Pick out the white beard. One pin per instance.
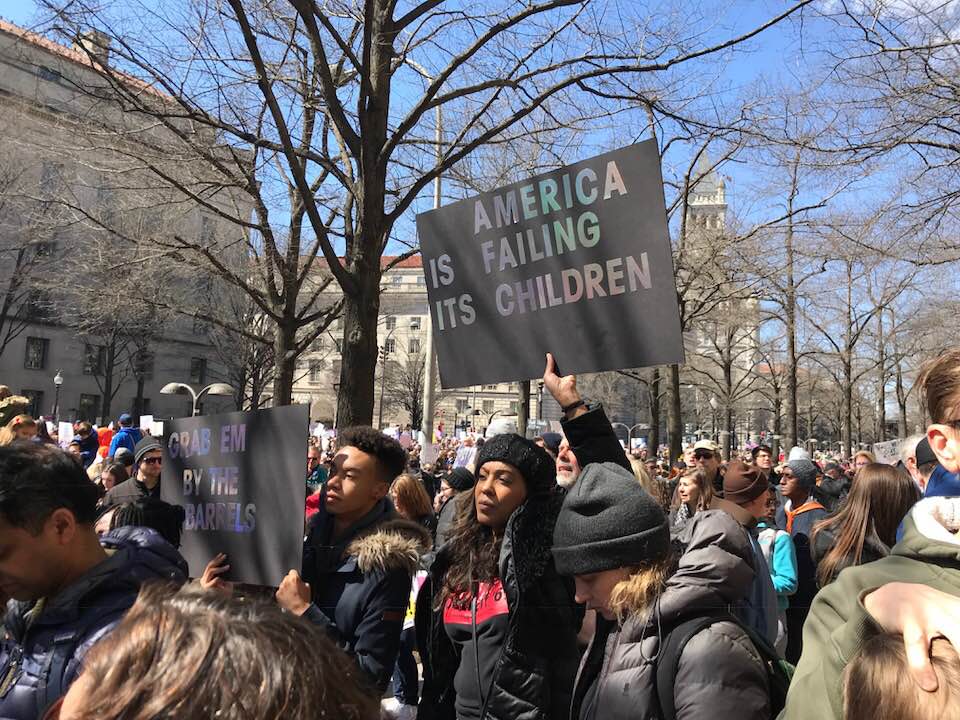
(567, 480)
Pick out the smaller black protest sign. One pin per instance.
(240, 479)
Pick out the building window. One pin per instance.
(315, 368)
(37, 306)
(88, 408)
(415, 323)
(488, 406)
(143, 365)
(514, 406)
(45, 248)
(462, 405)
(198, 370)
(421, 280)
(390, 346)
(317, 344)
(391, 322)
(397, 280)
(338, 343)
(413, 346)
(49, 74)
(35, 357)
(36, 401)
(490, 387)
(94, 359)
(199, 327)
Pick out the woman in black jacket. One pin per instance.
(498, 631)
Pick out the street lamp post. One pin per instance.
(177, 388)
(57, 382)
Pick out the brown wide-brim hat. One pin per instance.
(743, 483)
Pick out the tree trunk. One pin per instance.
(653, 439)
(881, 389)
(727, 431)
(138, 400)
(901, 402)
(675, 430)
(107, 388)
(359, 357)
(285, 357)
(523, 407)
(847, 431)
(790, 314)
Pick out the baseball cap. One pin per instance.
(709, 445)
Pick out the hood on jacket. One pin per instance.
(715, 568)
(135, 555)
(391, 545)
(929, 531)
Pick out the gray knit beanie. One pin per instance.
(608, 521)
(805, 471)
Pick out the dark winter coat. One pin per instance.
(361, 584)
(129, 491)
(534, 674)
(801, 532)
(873, 549)
(831, 493)
(51, 638)
(89, 446)
(720, 673)
(592, 439)
(445, 518)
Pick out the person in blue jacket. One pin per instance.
(64, 587)
(781, 556)
(359, 556)
(127, 436)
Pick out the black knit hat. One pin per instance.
(460, 479)
(608, 521)
(533, 462)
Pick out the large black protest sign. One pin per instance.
(576, 262)
(240, 477)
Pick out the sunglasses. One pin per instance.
(703, 456)
(152, 461)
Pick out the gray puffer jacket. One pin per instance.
(720, 673)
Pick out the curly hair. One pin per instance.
(198, 654)
(389, 453)
(474, 551)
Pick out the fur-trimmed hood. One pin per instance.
(391, 545)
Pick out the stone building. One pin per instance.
(61, 157)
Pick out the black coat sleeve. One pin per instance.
(375, 641)
(593, 440)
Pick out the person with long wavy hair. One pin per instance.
(498, 630)
(865, 527)
(694, 494)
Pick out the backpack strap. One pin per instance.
(668, 658)
(52, 683)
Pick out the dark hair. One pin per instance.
(474, 550)
(150, 512)
(187, 654)
(36, 479)
(118, 471)
(877, 503)
(759, 449)
(389, 453)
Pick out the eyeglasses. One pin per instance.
(152, 461)
(703, 456)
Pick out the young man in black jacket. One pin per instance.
(359, 557)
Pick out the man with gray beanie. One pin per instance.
(799, 513)
(147, 458)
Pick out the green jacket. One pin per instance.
(838, 624)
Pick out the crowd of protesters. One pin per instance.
(511, 578)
